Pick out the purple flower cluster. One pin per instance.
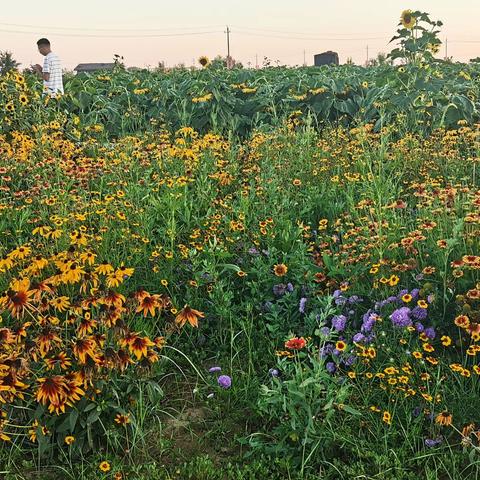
(401, 317)
(223, 381)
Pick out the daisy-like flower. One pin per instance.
(295, 343)
(280, 270)
(104, 466)
(190, 315)
(444, 419)
(122, 419)
(148, 304)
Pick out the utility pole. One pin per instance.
(228, 47)
(256, 60)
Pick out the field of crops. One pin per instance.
(242, 274)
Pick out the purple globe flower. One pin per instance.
(401, 317)
(224, 381)
(339, 322)
(414, 293)
(358, 337)
(331, 367)
(419, 313)
(430, 333)
(419, 327)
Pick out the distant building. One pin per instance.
(93, 67)
(326, 58)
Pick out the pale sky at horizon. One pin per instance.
(276, 29)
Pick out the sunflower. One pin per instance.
(189, 315)
(407, 19)
(204, 61)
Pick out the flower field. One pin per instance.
(242, 274)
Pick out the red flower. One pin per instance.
(295, 343)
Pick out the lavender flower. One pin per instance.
(433, 443)
(274, 372)
(358, 337)
(401, 317)
(339, 322)
(279, 290)
(215, 369)
(253, 251)
(301, 306)
(419, 313)
(224, 381)
(289, 287)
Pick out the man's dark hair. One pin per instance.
(43, 41)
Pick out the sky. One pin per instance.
(146, 32)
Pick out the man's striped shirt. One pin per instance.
(52, 66)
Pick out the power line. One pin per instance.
(87, 35)
(98, 29)
(287, 32)
(308, 38)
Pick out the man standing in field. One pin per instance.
(51, 72)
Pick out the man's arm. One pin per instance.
(41, 73)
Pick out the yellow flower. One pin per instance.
(104, 466)
(69, 439)
(407, 19)
(387, 418)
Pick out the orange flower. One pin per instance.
(18, 298)
(189, 315)
(83, 348)
(462, 321)
(148, 304)
(138, 346)
(295, 343)
(280, 270)
(51, 390)
(122, 419)
(444, 418)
